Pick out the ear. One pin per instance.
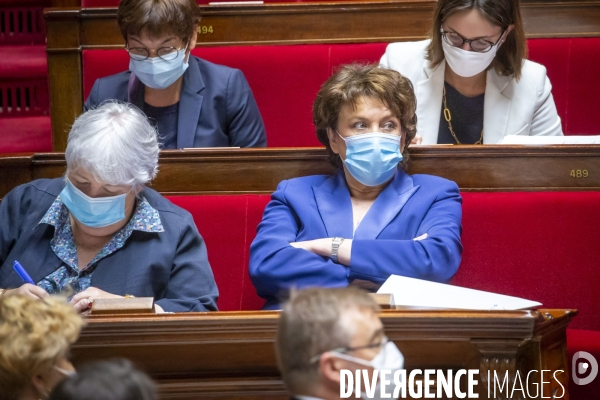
(333, 140)
(191, 44)
(193, 40)
(330, 367)
(39, 383)
(508, 30)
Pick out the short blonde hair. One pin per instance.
(34, 334)
(311, 323)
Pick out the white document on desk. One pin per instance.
(545, 140)
(411, 292)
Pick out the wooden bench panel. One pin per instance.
(242, 171)
(231, 354)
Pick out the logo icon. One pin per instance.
(580, 368)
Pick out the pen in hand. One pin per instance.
(22, 273)
(29, 288)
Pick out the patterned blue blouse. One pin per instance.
(145, 219)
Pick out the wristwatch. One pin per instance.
(335, 246)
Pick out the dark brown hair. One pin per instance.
(157, 18)
(352, 82)
(511, 54)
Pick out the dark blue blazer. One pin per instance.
(216, 108)
(319, 206)
(171, 266)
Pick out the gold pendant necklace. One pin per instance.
(448, 118)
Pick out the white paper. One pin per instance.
(542, 140)
(425, 294)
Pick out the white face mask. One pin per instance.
(389, 358)
(158, 73)
(64, 371)
(467, 63)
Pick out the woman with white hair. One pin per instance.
(99, 230)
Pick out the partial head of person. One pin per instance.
(159, 36)
(35, 339)
(106, 380)
(472, 35)
(365, 116)
(112, 152)
(324, 331)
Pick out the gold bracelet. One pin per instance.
(129, 296)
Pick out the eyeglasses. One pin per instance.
(164, 53)
(477, 45)
(383, 342)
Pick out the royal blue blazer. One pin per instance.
(389, 239)
(216, 108)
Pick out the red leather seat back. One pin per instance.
(285, 86)
(285, 79)
(572, 69)
(228, 226)
(536, 245)
(542, 246)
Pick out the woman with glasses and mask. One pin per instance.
(472, 80)
(99, 231)
(35, 341)
(193, 103)
(370, 219)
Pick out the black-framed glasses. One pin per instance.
(477, 45)
(383, 342)
(164, 53)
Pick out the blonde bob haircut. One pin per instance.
(34, 335)
(503, 13)
(356, 81)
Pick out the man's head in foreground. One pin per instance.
(324, 331)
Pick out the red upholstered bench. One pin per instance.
(538, 245)
(24, 103)
(286, 85)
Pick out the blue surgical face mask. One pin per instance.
(372, 158)
(95, 212)
(158, 73)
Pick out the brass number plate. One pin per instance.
(205, 29)
(579, 173)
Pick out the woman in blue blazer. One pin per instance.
(193, 102)
(370, 219)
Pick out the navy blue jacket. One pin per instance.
(216, 108)
(171, 266)
(412, 229)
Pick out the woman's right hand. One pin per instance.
(417, 140)
(28, 290)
